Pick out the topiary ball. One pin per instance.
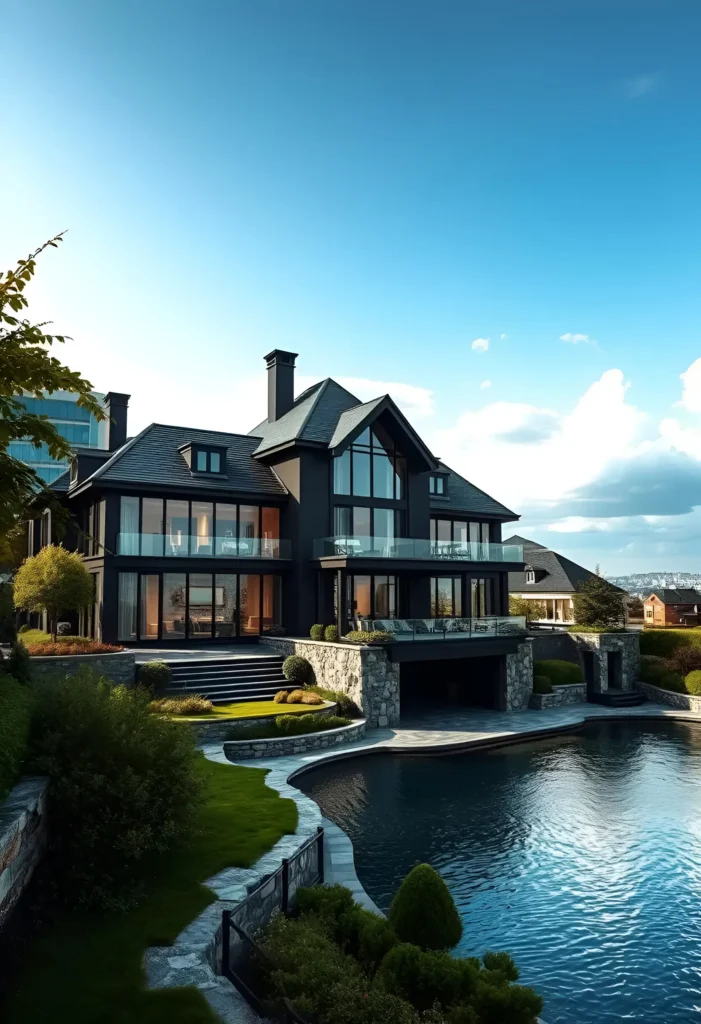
(317, 632)
(280, 697)
(693, 683)
(331, 634)
(423, 911)
(155, 675)
(297, 669)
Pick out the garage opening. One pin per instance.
(459, 682)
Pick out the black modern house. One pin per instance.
(330, 510)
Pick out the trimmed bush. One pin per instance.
(297, 669)
(19, 664)
(364, 636)
(295, 697)
(685, 660)
(331, 634)
(15, 719)
(24, 628)
(663, 642)
(155, 675)
(190, 704)
(560, 673)
(671, 681)
(310, 698)
(652, 669)
(317, 632)
(692, 682)
(346, 706)
(423, 911)
(280, 697)
(541, 684)
(287, 725)
(124, 785)
(63, 649)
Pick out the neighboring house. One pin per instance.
(76, 424)
(330, 510)
(672, 608)
(548, 579)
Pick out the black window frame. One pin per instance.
(395, 457)
(433, 489)
(350, 591)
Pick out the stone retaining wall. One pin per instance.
(683, 701)
(23, 835)
(365, 673)
(573, 693)
(519, 678)
(212, 732)
(117, 667)
(285, 746)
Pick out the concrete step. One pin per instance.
(206, 677)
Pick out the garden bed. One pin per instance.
(285, 746)
(210, 728)
(117, 667)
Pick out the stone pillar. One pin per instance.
(519, 678)
(600, 644)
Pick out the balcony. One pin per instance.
(448, 629)
(416, 548)
(156, 545)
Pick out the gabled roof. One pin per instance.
(60, 484)
(671, 596)
(559, 574)
(350, 420)
(312, 418)
(462, 496)
(152, 457)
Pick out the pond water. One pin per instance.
(580, 855)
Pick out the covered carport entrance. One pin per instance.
(454, 682)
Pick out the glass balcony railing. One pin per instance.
(448, 628)
(184, 546)
(413, 547)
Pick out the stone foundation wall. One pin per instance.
(519, 678)
(23, 833)
(215, 732)
(244, 750)
(574, 693)
(683, 701)
(365, 673)
(600, 644)
(117, 667)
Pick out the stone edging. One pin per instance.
(117, 666)
(211, 731)
(286, 746)
(569, 693)
(683, 701)
(23, 835)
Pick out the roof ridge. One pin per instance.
(127, 446)
(312, 406)
(200, 430)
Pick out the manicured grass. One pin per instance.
(248, 709)
(87, 970)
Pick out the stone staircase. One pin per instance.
(229, 680)
(619, 698)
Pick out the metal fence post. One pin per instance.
(285, 884)
(320, 852)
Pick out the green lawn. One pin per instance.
(248, 709)
(34, 636)
(87, 970)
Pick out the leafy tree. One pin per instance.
(524, 606)
(598, 603)
(27, 367)
(423, 911)
(54, 581)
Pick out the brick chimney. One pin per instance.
(281, 382)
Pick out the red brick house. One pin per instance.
(672, 608)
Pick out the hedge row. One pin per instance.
(560, 673)
(15, 720)
(662, 642)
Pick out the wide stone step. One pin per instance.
(273, 672)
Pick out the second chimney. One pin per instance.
(281, 383)
(116, 409)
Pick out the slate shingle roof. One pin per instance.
(557, 575)
(349, 420)
(313, 417)
(152, 457)
(463, 496)
(671, 596)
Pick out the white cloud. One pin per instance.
(502, 336)
(691, 395)
(579, 524)
(640, 85)
(486, 384)
(574, 339)
(415, 402)
(480, 344)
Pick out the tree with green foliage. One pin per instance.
(524, 606)
(28, 368)
(423, 911)
(598, 603)
(53, 581)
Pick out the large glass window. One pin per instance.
(459, 532)
(227, 519)
(270, 532)
(200, 604)
(371, 467)
(129, 526)
(385, 597)
(177, 527)
(248, 529)
(174, 613)
(446, 596)
(362, 596)
(225, 604)
(272, 602)
(148, 626)
(202, 528)
(383, 523)
(126, 606)
(249, 605)
(152, 526)
(481, 597)
(342, 473)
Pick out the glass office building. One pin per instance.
(76, 424)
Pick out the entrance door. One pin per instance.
(614, 666)
(590, 672)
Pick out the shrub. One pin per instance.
(560, 673)
(346, 706)
(422, 977)
(685, 660)
(297, 669)
(287, 725)
(54, 580)
(692, 682)
(663, 642)
(423, 911)
(124, 784)
(310, 698)
(15, 718)
(190, 704)
(63, 648)
(295, 697)
(154, 675)
(541, 684)
(280, 697)
(364, 636)
(331, 634)
(671, 681)
(8, 633)
(317, 632)
(24, 628)
(18, 664)
(652, 669)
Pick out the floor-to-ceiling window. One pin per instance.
(458, 531)
(373, 597)
(174, 614)
(371, 467)
(446, 596)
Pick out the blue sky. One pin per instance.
(378, 186)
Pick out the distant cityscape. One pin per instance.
(640, 584)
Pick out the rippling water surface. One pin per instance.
(579, 855)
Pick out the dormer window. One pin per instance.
(205, 459)
(530, 574)
(438, 485)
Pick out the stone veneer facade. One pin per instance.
(365, 673)
(573, 693)
(519, 678)
(117, 667)
(287, 746)
(683, 701)
(23, 835)
(599, 644)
